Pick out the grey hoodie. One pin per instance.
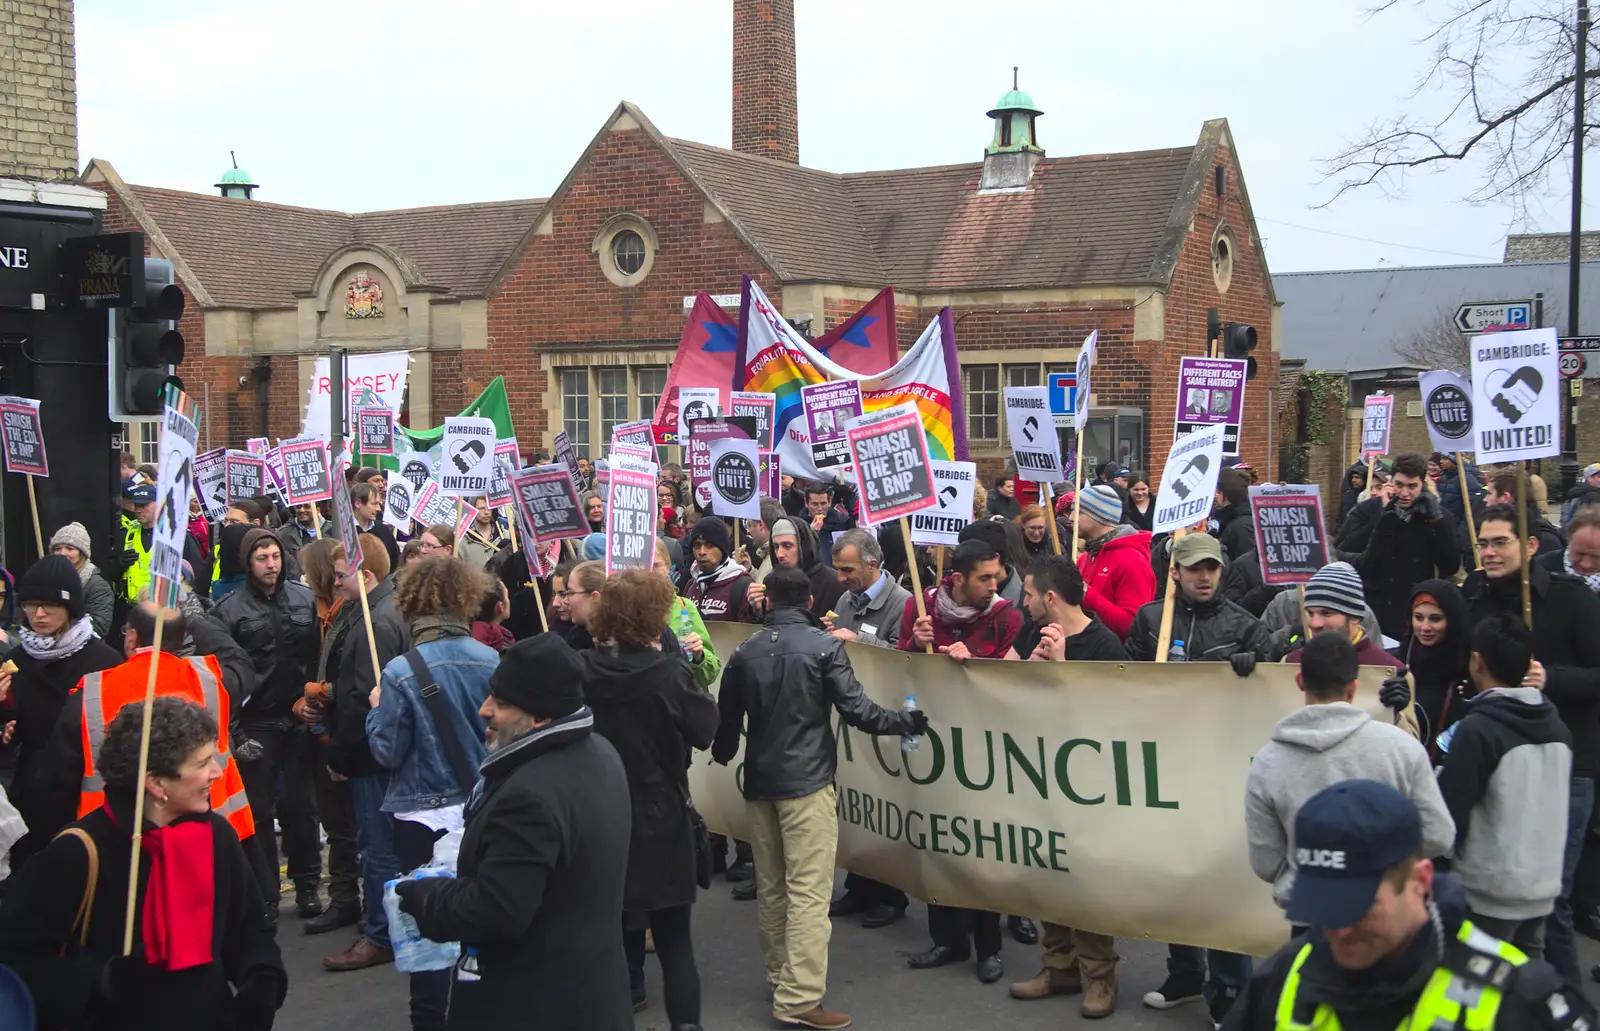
(1320, 745)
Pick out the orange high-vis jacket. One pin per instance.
(199, 679)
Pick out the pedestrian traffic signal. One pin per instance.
(145, 346)
(1238, 340)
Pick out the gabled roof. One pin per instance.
(235, 253)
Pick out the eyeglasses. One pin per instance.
(35, 606)
(1496, 543)
(568, 594)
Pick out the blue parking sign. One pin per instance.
(1063, 391)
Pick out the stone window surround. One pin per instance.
(600, 247)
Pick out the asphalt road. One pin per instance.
(867, 978)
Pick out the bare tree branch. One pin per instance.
(1437, 345)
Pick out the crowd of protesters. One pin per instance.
(1435, 864)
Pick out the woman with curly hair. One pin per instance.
(432, 746)
(646, 703)
(205, 957)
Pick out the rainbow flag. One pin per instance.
(774, 358)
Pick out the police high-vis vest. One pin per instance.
(137, 577)
(1464, 992)
(199, 679)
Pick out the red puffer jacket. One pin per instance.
(1117, 580)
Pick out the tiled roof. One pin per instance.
(457, 246)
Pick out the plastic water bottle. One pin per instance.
(685, 621)
(412, 952)
(1177, 653)
(910, 742)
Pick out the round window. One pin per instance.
(1222, 260)
(627, 252)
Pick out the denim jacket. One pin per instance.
(401, 731)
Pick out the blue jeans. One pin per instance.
(1560, 945)
(375, 841)
(1228, 971)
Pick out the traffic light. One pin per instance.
(1238, 340)
(145, 346)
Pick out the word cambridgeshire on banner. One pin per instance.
(1116, 805)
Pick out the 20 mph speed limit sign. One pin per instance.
(1572, 363)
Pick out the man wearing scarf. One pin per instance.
(1581, 556)
(715, 583)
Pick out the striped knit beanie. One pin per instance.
(1336, 586)
(1101, 503)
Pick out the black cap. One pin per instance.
(541, 675)
(1345, 837)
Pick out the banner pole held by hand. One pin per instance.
(1050, 516)
(139, 792)
(1164, 641)
(1522, 540)
(916, 577)
(33, 503)
(1077, 493)
(1466, 505)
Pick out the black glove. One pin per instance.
(1243, 663)
(919, 721)
(1395, 693)
(119, 977)
(411, 891)
(1426, 507)
(256, 1002)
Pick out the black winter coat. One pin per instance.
(1356, 529)
(1438, 671)
(352, 680)
(646, 703)
(1565, 641)
(1235, 530)
(787, 677)
(280, 633)
(1211, 631)
(1402, 553)
(539, 884)
(1243, 584)
(1449, 485)
(37, 915)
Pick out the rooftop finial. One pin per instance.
(236, 160)
(1013, 76)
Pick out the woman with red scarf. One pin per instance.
(204, 957)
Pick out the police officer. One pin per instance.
(137, 541)
(1387, 941)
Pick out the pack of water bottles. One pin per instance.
(412, 952)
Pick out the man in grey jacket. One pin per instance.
(1328, 741)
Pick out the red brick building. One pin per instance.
(578, 300)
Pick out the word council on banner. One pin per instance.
(829, 408)
(467, 465)
(549, 503)
(1516, 392)
(1289, 531)
(631, 514)
(1211, 392)
(1377, 420)
(735, 478)
(1189, 480)
(1034, 444)
(942, 524)
(1447, 409)
(890, 454)
(24, 437)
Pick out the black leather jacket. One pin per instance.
(280, 635)
(785, 677)
(1210, 632)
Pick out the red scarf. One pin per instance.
(180, 896)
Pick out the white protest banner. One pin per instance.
(415, 468)
(1377, 420)
(695, 403)
(634, 438)
(548, 502)
(1189, 481)
(174, 487)
(701, 433)
(735, 478)
(1034, 445)
(1080, 413)
(397, 500)
(1516, 411)
(24, 438)
(631, 514)
(890, 453)
(506, 459)
(758, 406)
(375, 431)
(467, 463)
(1447, 409)
(384, 374)
(1098, 795)
(953, 483)
(243, 474)
(829, 408)
(211, 480)
(305, 472)
(433, 505)
(1289, 531)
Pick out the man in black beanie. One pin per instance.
(537, 896)
(714, 581)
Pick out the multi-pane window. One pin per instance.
(649, 382)
(1023, 376)
(143, 440)
(612, 385)
(575, 407)
(982, 396)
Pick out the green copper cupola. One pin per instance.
(1009, 158)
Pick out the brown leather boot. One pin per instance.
(1099, 997)
(362, 953)
(818, 1017)
(1048, 982)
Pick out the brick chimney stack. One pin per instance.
(766, 115)
(38, 95)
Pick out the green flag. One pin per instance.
(492, 404)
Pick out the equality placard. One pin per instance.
(634, 438)
(24, 437)
(736, 478)
(467, 463)
(243, 474)
(1034, 445)
(829, 407)
(1447, 409)
(305, 472)
(545, 496)
(211, 481)
(701, 433)
(1516, 381)
(890, 453)
(694, 403)
(375, 431)
(1377, 419)
(756, 405)
(1289, 531)
(433, 505)
(397, 499)
(1189, 480)
(631, 515)
(952, 483)
(1211, 392)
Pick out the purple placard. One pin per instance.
(1211, 392)
(829, 406)
(772, 475)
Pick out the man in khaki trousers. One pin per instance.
(785, 678)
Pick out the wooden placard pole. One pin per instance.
(366, 617)
(1164, 641)
(916, 577)
(1050, 516)
(1077, 492)
(1466, 505)
(33, 504)
(1522, 541)
(139, 792)
(938, 563)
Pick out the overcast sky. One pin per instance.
(415, 102)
